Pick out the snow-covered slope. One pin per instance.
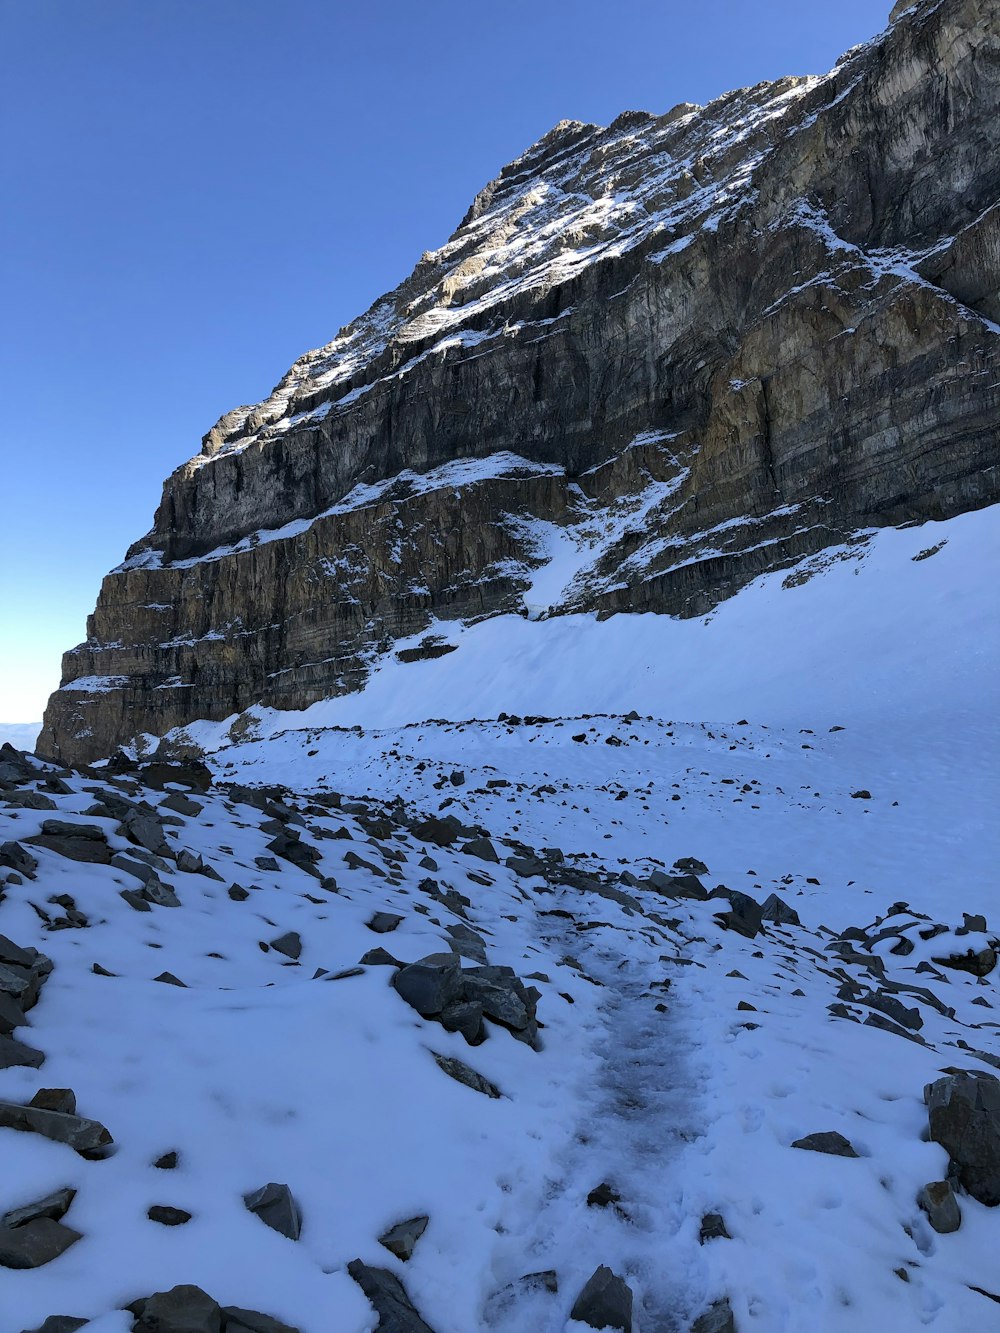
(833, 744)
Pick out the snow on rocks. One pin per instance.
(670, 1068)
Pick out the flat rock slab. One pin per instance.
(54, 1206)
(832, 1143)
(87, 1137)
(396, 1312)
(35, 1243)
(461, 1073)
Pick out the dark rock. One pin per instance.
(383, 923)
(14, 1053)
(166, 1162)
(289, 944)
(145, 830)
(13, 855)
(169, 979)
(500, 994)
(396, 1312)
(59, 1323)
(429, 988)
(274, 1205)
(402, 1238)
(830, 1142)
(717, 1319)
(182, 1309)
(963, 1108)
(77, 842)
(380, 958)
(296, 852)
(238, 893)
(87, 1137)
(604, 1302)
(441, 832)
(483, 849)
(461, 1073)
(35, 1243)
(939, 1203)
(181, 805)
(466, 1017)
(979, 962)
(55, 1099)
(777, 910)
(54, 1206)
(744, 915)
(238, 1320)
(691, 865)
(11, 1013)
(713, 1227)
(603, 1196)
(678, 886)
(167, 1216)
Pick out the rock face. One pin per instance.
(707, 343)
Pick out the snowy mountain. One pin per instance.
(552, 1022)
(517, 850)
(655, 361)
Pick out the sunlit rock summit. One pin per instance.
(685, 349)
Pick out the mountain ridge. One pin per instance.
(758, 328)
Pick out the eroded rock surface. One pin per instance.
(707, 343)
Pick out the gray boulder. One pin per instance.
(289, 944)
(182, 1309)
(35, 1243)
(145, 830)
(429, 987)
(396, 1312)
(54, 1206)
(14, 857)
(718, 1318)
(276, 1208)
(15, 1053)
(605, 1302)
(744, 915)
(383, 923)
(939, 1203)
(964, 1113)
(831, 1143)
(87, 1137)
(777, 910)
(77, 842)
(483, 849)
(402, 1238)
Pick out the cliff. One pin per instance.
(698, 345)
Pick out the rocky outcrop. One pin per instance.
(705, 344)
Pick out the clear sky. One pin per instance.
(198, 191)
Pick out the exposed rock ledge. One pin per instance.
(706, 343)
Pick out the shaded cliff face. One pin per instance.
(694, 346)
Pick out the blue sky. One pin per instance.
(198, 191)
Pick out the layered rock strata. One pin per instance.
(697, 346)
